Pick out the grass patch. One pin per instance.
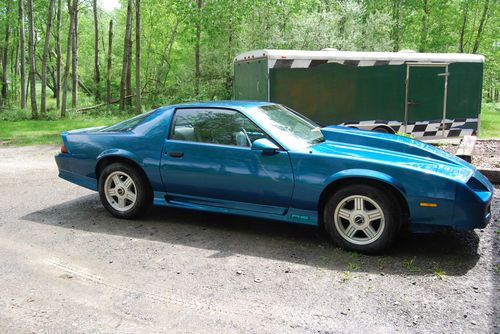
(16, 127)
(490, 121)
(411, 266)
(30, 132)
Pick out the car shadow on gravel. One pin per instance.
(445, 253)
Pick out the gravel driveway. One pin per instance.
(67, 266)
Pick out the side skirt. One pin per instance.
(290, 215)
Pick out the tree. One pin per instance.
(32, 63)
(138, 97)
(68, 59)
(197, 71)
(74, 66)
(110, 61)
(43, 103)
(396, 29)
(22, 48)
(96, 53)
(464, 25)
(6, 54)
(425, 19)
(481, 27)
(57, 84)
(126, 59)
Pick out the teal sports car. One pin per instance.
(265, 160)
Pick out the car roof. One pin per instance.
(241, 105)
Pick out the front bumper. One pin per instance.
(473, 203)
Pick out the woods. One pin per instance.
(153, 52)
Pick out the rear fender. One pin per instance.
(118, 153)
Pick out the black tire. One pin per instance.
(143, 192)
(339, 229)
(383, 129)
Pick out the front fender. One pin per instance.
(366, 174)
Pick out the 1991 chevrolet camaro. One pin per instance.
(264, 160)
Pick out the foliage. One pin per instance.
(490, 120)
(229, 27)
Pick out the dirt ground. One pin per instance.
(486, 153)
(67, 266)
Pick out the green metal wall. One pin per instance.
(250, 80)
(333, 93)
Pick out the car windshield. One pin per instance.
(126, 125)
(287, 126)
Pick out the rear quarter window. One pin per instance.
(128, 124)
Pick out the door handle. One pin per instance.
(412, 103)
(174, 154)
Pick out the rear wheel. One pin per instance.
(123, 191)
(362, 218)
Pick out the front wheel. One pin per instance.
(123, 191)
(362, 218)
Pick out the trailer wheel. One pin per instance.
(384, 129)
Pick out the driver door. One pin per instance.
(207, 160)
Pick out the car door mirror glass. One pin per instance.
(265, 145)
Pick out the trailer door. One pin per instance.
(251, 80)
(426, 90)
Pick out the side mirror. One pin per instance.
(265, 145)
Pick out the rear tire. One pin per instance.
(362, 218)
(124, 192)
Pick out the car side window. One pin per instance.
(215, 126)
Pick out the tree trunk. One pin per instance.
(197, 72)
(96, 54)
(462, 29)
(481, 27)
(57, 84)
(396, 28)
(138, 97)
(110, 61)
(43, 108)
(16, 67)
(126, 48)
(32, 63)
(64, 87)
(425, 19)
(128, 84)
(74, 95)
(22, 48)
(5, 85)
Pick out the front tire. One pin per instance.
(124, 192)
(362, 218)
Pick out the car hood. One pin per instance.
(392, 149)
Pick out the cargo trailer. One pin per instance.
(427, 95)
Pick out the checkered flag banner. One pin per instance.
(457, 127)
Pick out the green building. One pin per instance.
(428, 95)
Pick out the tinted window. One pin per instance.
(215, 126)
(127, 124)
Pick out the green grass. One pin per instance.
(17, 129)
(29, 132)
(490, 121)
